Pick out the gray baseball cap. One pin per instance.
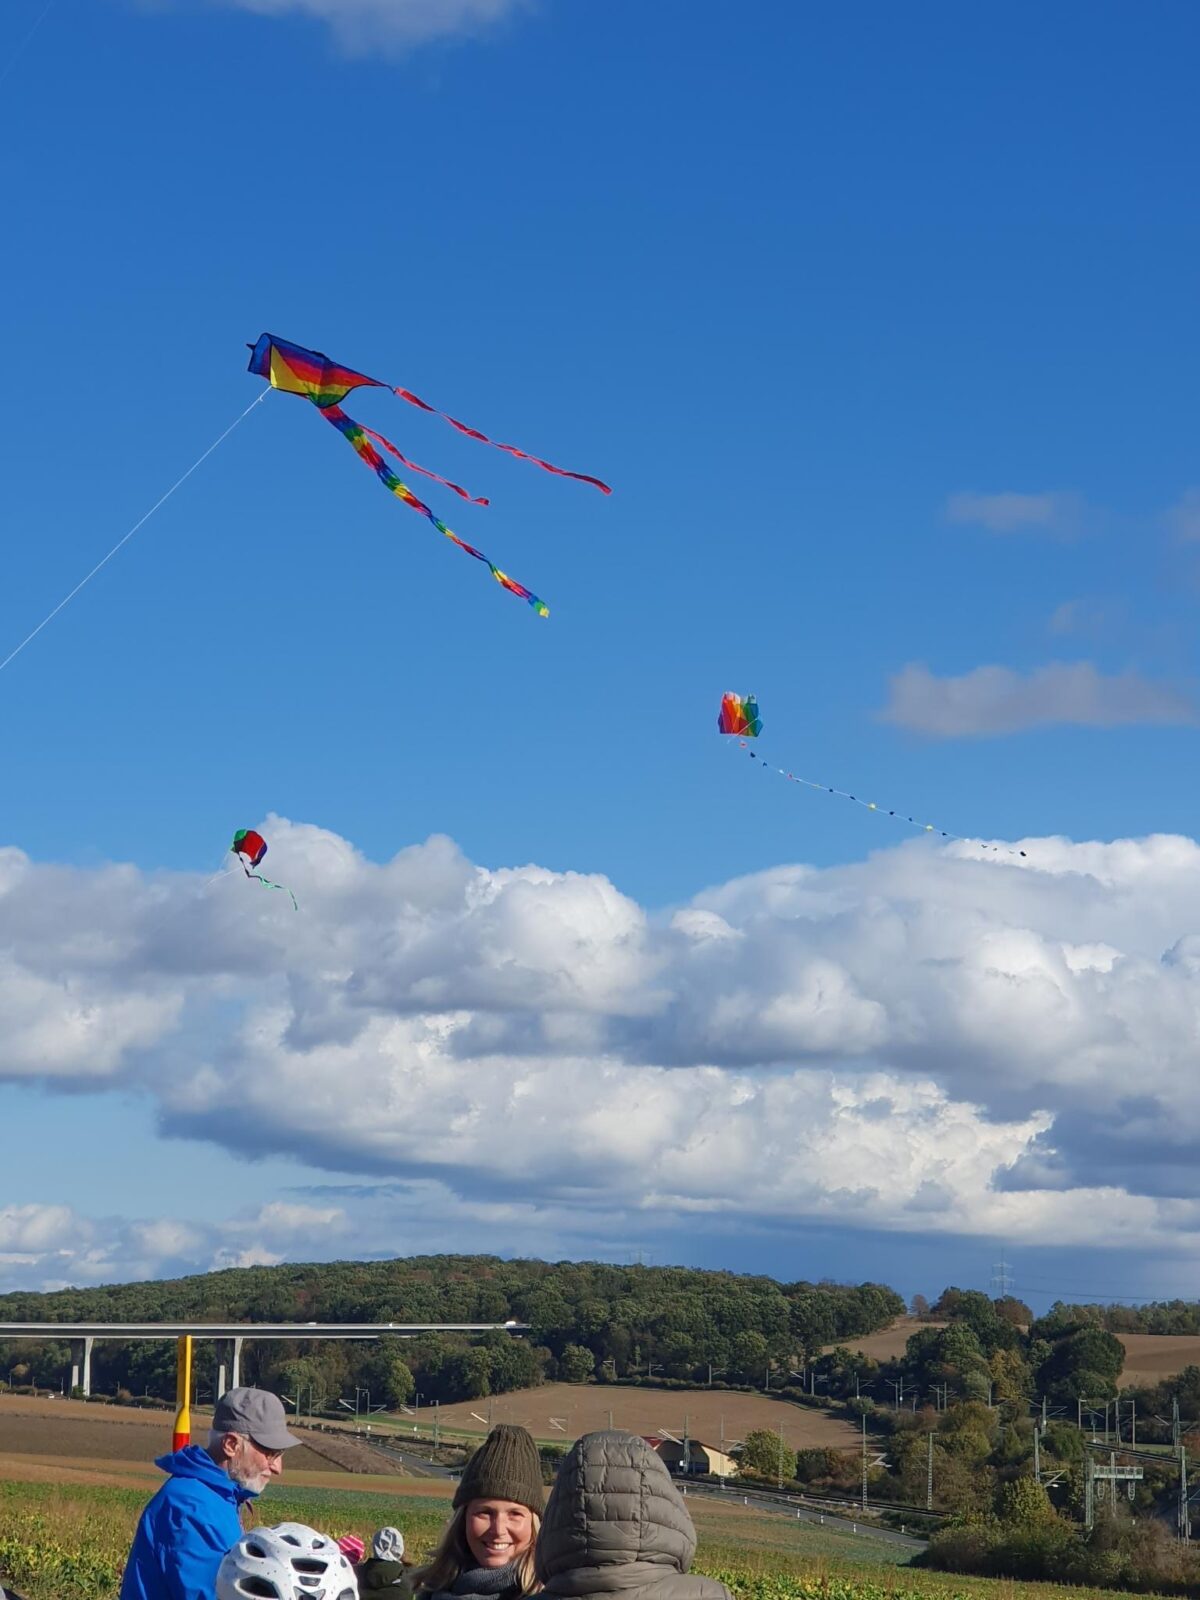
(255, 1412)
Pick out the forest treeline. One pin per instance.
(586, 1319)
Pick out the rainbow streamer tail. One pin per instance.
(510, 449)
(268, 884)
(360, 440)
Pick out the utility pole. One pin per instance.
(1185, 1527)
(1002, 1279)
(437, 1424)
(929, 1476)
(864, 1465)
(1037, 1455)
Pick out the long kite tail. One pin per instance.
(424, 471)
(358, 438)
(267, 884)
(511, 449)
(877, 805)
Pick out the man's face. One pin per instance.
(249, 1464)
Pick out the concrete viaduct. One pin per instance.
(83, 1335)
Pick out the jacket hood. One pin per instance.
(614, 1519)
(195, 1462)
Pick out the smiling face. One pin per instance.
(498, 1531)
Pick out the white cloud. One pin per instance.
(929, 1041)
(1092, 618)
(1057, 512)
(364, 26)
(50, 1246)
(1183, 518)
(997, 700)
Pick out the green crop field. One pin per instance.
(68, 1542)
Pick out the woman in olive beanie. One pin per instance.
(488, 1546)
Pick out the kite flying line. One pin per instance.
(20, 49)
(103, 562)
(739, 716)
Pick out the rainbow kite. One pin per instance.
(296, 370)
(739, 716)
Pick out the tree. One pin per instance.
(1085, 1365)
(388, 1377)
(576, 1364)
(748, 1357)
(1010, 1375)
(468, 1374)
(1025, 1504)
(763, 1452)
(918, 1306)
(301, 1382)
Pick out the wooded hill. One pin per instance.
(585, 1317)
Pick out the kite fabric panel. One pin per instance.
(296, 370)
(739, 716)
(250, 847)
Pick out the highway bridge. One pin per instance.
(82, 1336)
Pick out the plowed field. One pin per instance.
(74, 1434)
(562, 1411)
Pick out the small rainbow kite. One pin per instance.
(739, 716)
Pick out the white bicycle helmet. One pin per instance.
(287, 1562)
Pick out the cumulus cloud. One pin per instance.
(1056, 512)
(390, 25)
(929, 1042)
(996, 700)
(1183, 518)
(53, 1246)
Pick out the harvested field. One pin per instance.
(560, 1412)
(74, 1430)
(889, 1343)
(1151, 1357)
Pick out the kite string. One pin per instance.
(103, 562)
(20, 49)
(873, 805)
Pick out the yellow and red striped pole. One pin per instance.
(183, 1393)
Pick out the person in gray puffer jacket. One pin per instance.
(615, 1524)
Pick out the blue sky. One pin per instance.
(881, 323)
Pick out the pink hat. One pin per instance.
(352, 1548)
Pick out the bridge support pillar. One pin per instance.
(220, 1381)
(81, 1357)
(237, 1364)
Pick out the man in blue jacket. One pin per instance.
(193, 1519)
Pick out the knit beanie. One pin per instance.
(505, 1467)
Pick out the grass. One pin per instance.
(70, 1540)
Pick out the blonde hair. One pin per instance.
(454, 1553)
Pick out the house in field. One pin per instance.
(701, 1457)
